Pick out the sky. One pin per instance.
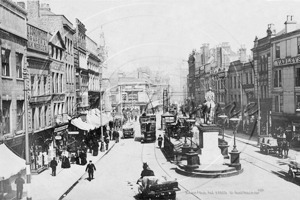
(162, 33)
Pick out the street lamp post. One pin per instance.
(223, 117)
(102, 149)
(223, 145)
(27, 155)
(235, 154)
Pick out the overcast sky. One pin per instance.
(161, 33)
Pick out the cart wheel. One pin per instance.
(267, 151)
(292, 176)
(261, 150)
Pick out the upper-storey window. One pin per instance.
(298, 44)
(277, 51)
(19, 59)
(5, 53)
(277, 78)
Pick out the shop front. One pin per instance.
(39, 150)
(60, 138)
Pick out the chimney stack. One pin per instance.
(45, 6)
(33, 8)
(290, 25)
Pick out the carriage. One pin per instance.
(164, 190)
(294, 170)
(269, 145)
(128, 130)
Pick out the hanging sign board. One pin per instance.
(73, 132)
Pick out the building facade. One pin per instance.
(13, 42)
(285, 84)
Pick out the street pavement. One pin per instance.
(44, 186)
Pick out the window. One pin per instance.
(279, 103)
(277, 50)
(5, 62)
(45, 85)
(56, 54)
(40, 118)
(19, 58)
(33, 118)
(61, 54)
(56, 83)
(288, 48)
(53, 82)
(52, 51)
(6, 116)
(297, 77)
(277, 78)
(61, 83)
(297, 101)
(39, 86)
(20, 115)
(45, 115)
(298, 44)
(234, 82)
(32, 85)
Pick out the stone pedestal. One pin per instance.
(193, 161)
(224, 150)
(185, 149)
(235, 160)
(210, 152)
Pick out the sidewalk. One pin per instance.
(247, 139)
(44, 186)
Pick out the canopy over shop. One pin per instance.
(11, 164)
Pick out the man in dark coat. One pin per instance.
(53, 165)
(116, 135)
(90, 169)
(19, 182)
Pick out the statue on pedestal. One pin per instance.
(209, 112)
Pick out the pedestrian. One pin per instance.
(90, 169)
(117, 136)
(53, 165)
(110, 134)
(19, 182)
(159, 139)
(106, 142)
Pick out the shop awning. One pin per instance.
(94, 119)
(81, 124)
(11, 164)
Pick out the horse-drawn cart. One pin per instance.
(294, 170)
(163, 190)
(269, 145)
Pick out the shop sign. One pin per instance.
(37, 39)
(61, 128)
(287, 61)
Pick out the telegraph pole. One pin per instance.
(101, 125)
(27, 155)
(258, 102)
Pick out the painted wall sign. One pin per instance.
(37, 39)
(287, 61)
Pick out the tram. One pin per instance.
(148, 128)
